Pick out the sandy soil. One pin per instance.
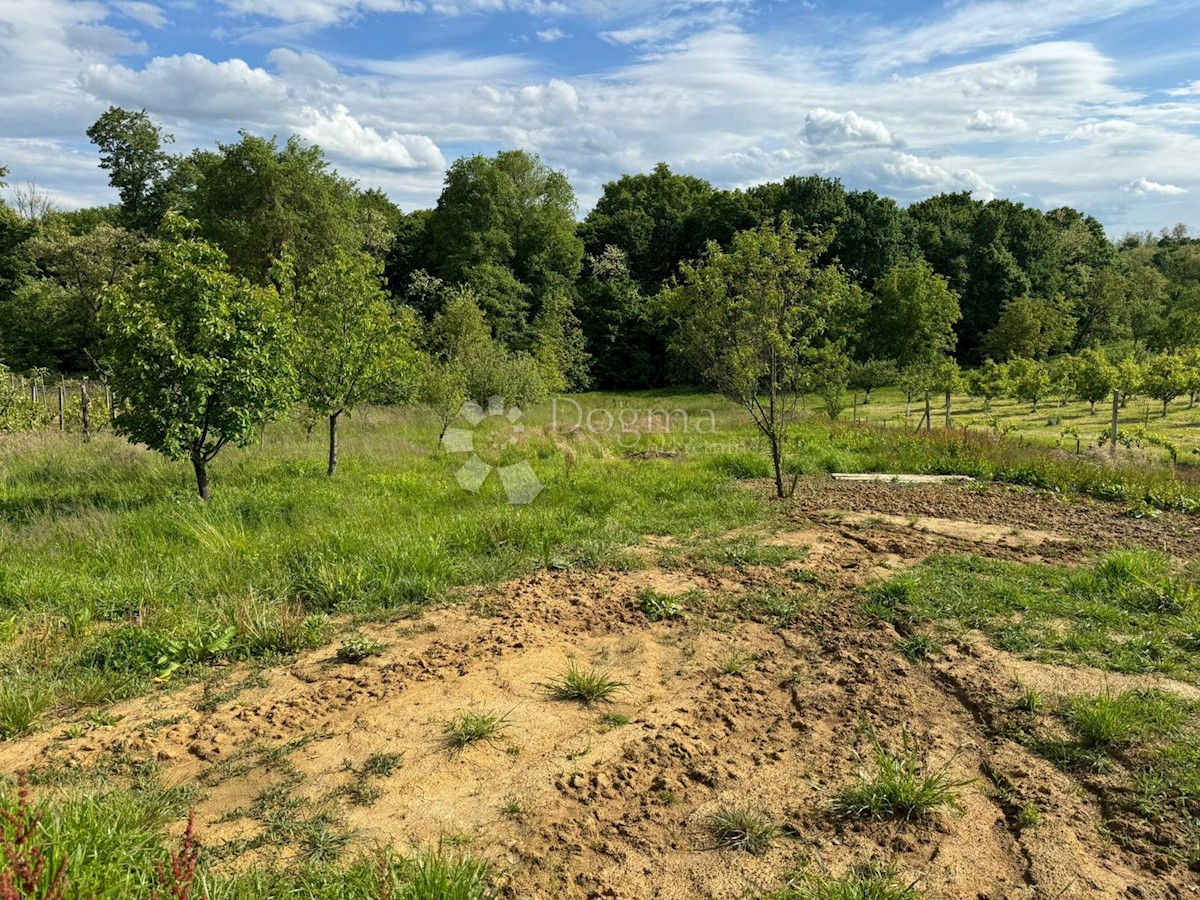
(571, 803)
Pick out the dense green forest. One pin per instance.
(504, 230)
(232, 284)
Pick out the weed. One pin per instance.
(1029, 815)
(23, 702)
(614, 720)
(1105, 721)
(919, 647)
(382, 765)
(863, 881)
(357, 648)
(472, 727)
(734, 662)
(898, 787)
(742, 828)
(586, 686)
(659, 607)
(1029, 701)
(513, 808)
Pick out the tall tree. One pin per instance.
(131, 151)
(656, 219)
(197, 357)
(914, 315)
(505, 225)
(254, 198)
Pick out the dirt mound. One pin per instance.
(769, 692)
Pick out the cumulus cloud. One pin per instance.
(913, 172)
(550, 35)
(825, 127)
(1144, 187)
(996, 120)
(340, 133)
(307, 66)
(189, 86)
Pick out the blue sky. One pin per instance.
(1092, 103)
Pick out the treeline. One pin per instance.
(255, 275)
(1028, 283)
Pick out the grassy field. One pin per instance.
(1054, 423)
(115, 581)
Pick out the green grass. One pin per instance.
(863, 881)
(473, 727)
(1134, 611)
(1144, 745)
(744, 829)
(586, 686)
(659, 607)
(358, 648)
(97, 537)
(898, 785)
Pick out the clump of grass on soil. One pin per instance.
(743, 828)
(586, 686)
(899, 786)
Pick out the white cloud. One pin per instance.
(550, 35)
(990, 23)
(1144, 187)
(915, 173)
(146, 13)
(1002, 120)
(306, 66)
(1103, 130)
(1187, 90)
(341, 134)
(189, 86)
(825, 127)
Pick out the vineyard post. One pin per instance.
(84, 401)
(1115, 419)
(62, 390)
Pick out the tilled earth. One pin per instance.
(733, 705)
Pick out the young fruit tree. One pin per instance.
(752, 318)
(988, 382)
(870, 374)
(1092, 376)
(351, 344)
(197, 357)
(1028, 380)
(1165, 378)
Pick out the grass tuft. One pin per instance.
(473, 727)
(864, 881)
(744, 829)
(586, 686)
(898, 787)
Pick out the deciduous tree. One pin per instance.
(197, 356)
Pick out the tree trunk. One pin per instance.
(928, 412)
(85, 401)
(1093, 403)
(201, 467)
(1115, 419)
(333, 445)
(947, 409)
(777, 463)
(1165, 402)
(866, 397)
